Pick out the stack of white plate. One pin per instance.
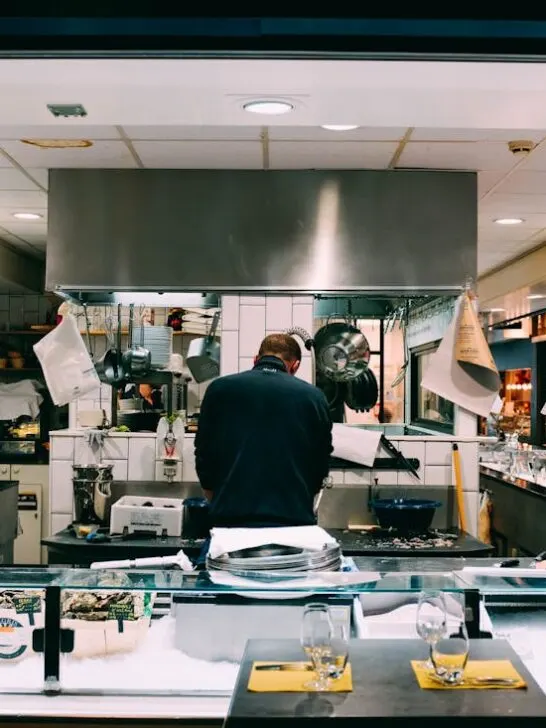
(159, 342)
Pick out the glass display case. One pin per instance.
(174, 633)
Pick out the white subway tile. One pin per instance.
(384, 477)
(141, 463)
(188, 471)
(412, 450)
(84, 454)
(62, 448)
(251, 329)
(303, 300)
(4, 302)
(438, 475)
(278, 313)
(466, 423)
(119, 469)
(60, 486)
(253, 300)
(438, 453)
(116, 448)
(302, 316)
(230, 314)
(357, 477)
(60, 521)
(337, 477)
(229, 352)
(246, 363)
(72, 415)
(305, 371)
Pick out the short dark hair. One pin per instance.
(282, 345)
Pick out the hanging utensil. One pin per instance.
(203, 359)
(404, 322)
(137, 360)
(109, 367)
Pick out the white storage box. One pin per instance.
(134, 514)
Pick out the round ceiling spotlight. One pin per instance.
(271, 107)
(339, 127)
(509, 220)
(27, 216)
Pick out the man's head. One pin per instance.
(284, 347)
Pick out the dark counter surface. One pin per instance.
(384, 690)
(365, 543)
(65, 548)
(521, 483)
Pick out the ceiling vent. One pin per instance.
(521, 147)
(67, 111)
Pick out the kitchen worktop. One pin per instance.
(385, 690)
(366, 543)
(521, 483)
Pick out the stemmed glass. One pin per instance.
(450, 654)
(340, 647)
(431, 622)
(316, 639)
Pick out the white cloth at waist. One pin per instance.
(227, 540)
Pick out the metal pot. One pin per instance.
(342, 351)
(137, 360)
(361, 394)
(203, 358)
(92, 494)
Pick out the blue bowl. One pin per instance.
(405, 514)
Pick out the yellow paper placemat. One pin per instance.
(293, 680)
(474, 669)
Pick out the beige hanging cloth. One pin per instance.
(484, 518)
(462, 370)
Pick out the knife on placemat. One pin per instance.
(287, 666)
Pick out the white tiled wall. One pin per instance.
(246, 319)
(22, 311)
(133, 458)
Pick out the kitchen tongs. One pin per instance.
(398, 456)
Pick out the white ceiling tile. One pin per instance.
(317, 133)
(501, 205)
(26, 246)
(23, 200)
(486, 156)
(331, 155)
(13, 179)
(524, 183)
(68, 129)
(536, 160)
(200, 155)
(24, 228)
(111, 154)
(193, 133)
(506, 233)
(41, 176)
(486, 180)
(477, 135)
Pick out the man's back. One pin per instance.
(263, 447)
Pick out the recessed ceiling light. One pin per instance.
(27, 215)
(339, 127)
(508, 220)
(59, 143)
(272, 107)
(536, 296)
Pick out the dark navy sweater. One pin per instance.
(263, 447)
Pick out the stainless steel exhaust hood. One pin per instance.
(209, 231)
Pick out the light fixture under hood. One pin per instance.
(59, 143)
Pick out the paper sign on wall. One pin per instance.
(463, 370)
(543, 410)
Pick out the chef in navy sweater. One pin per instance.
(264, 442)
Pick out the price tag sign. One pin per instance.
(121, 612)
(26, 604)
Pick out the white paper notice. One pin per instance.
(354, 444)
(498, 404)
(462, 369)
(543, 410)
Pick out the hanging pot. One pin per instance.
(342, 351)
(362, 393)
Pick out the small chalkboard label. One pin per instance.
(121, 611)
(25, 604)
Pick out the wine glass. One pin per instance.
(431, 622)
(449, 656)
(316, 640)
(340, 647)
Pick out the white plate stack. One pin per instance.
(159, 342)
